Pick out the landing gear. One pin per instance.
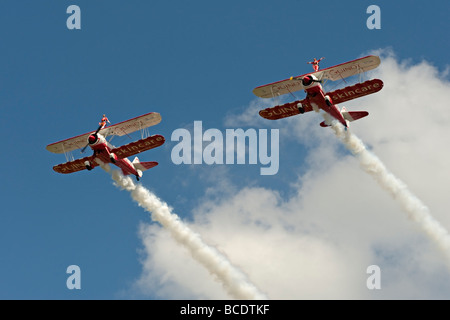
(328, 101)
(88, 165)
(112, 157)
(137, 178)
(300, 108)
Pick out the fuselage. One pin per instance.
(102, 152)
(318, 100)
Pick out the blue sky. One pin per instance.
(196, 60)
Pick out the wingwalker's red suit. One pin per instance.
(103, 122)
(315, 63)
(316, 98)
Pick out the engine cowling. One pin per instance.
(309, 80)
(92, 139)
(96, 138)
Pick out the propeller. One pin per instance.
(95, 135)
(306, 79)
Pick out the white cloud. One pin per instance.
(319, 242)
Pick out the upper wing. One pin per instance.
(135, 124)
(119, 129)
(349, 69)
(70, 144)
(278, 88)
(138, 146)
(74, 166)
(286, 110)
(337, 72)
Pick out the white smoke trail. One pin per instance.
(233, 280)
(416, 209)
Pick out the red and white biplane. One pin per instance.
(104, 152)
(316, 99)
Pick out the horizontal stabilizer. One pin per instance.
(354, 115)
(144, 165)
(348, 115)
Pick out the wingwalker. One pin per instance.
(316, 98)
(104, 152)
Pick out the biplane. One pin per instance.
(316, 98)
(104, 152)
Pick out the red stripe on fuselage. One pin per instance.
(316, 96)
(102, 151)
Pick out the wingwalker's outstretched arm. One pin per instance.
(315, 63)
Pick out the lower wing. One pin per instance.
(75, 165)
(138, 146)
(355, 91)
(286, 110)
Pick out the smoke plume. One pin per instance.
(414, 207)
(232, 279)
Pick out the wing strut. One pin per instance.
(68, 154)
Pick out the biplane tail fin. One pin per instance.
(348, 116)
(353, 115)
(143, 165)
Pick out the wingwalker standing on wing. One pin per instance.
(315, 64)
(316, 98)
(102, 122)
(104, 152)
